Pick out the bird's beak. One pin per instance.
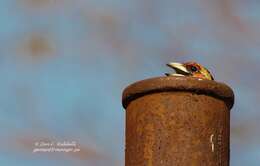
(179, 68)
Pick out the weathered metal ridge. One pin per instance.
(185, 84)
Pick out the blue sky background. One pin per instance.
(64, 65)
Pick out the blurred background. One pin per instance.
(64, 65)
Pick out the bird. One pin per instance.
(190, 69)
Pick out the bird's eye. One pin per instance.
(194, 69)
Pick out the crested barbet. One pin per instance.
(191, 69)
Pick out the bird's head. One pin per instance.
(190, 69)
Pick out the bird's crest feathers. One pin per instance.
(191, 69)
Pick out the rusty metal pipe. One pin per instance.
(177, 121)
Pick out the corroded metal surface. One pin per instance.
(190, 84)
(177, 127)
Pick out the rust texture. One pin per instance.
(177, 121)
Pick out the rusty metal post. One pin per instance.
(177, 121)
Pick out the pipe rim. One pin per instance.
(176, 84)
